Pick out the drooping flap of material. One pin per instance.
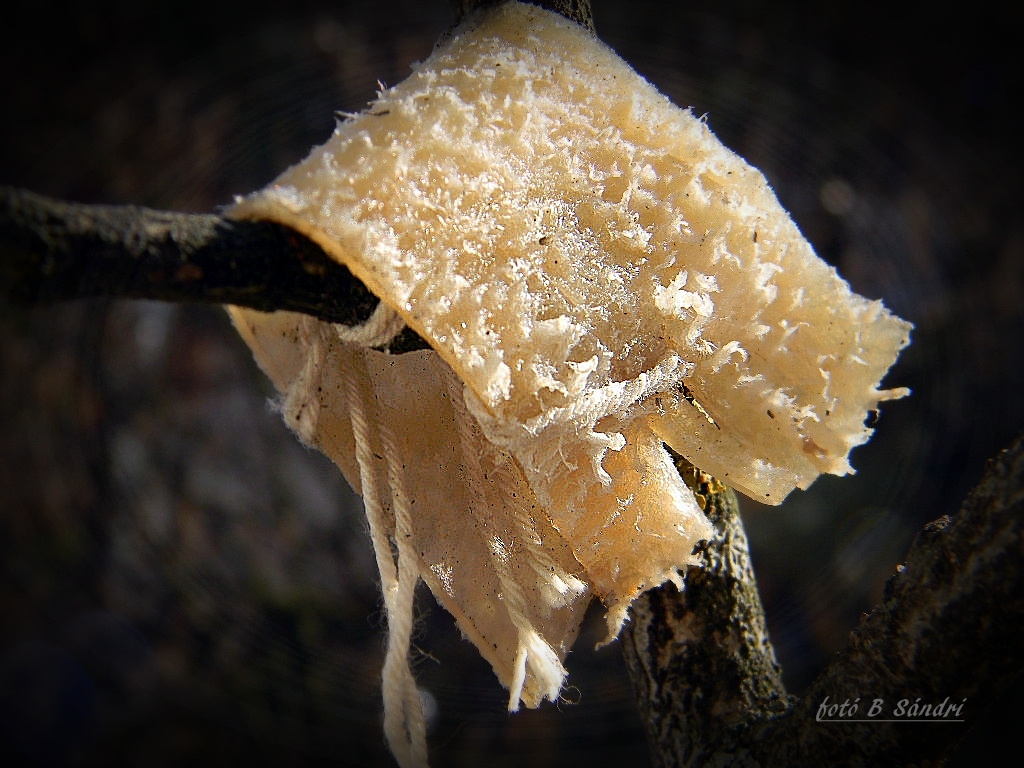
(482, 544)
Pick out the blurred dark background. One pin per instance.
(182, 583)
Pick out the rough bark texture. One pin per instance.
(52, 250)
(947, 632)
(704, 670)
(949, 626)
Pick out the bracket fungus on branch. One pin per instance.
(597, 276)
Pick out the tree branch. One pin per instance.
(948, 627)
(700, 659)
(51, 250)
(948, 630)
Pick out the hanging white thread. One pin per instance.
(404, 725)
(533, 651)
(396, 665)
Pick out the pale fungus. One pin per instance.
(597, 276)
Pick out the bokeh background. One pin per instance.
(181, 583)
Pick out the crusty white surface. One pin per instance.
(554, 225)
(602, 274)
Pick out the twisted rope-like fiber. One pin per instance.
(514, 602)
(397, 673)
(378, 330)
(397, 677)
(617, 397)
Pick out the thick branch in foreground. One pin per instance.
(948, 630)
(51, 250)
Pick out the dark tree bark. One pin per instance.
(704, 670)
(947, 632)
(51, 250)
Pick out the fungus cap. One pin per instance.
(596, 275)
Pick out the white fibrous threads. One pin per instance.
(597, 277)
